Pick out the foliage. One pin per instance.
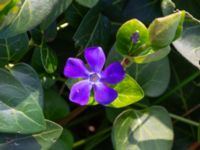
(155, 44)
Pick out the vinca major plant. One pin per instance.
(99, 74)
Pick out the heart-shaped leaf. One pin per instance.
(14, 48)
(131, 36)
(150, 129)
(129, 92)
(25, 16)
(21, 100)
(39, 141)
(189, 43)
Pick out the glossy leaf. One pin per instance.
(141, 130)
(153, 77)
(49, 59)
(27, 16)
(188, 44)
(93, 30)
(129, 92)
(124, 43)
(88, 3)
(55, 107)
(57, 10)
(165, 29)
(13, 49)
(42, 141)
(144, 10)
(21, 100)
(65, 142)
(152, 55)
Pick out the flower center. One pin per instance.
(94, 77)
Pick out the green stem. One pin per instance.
(182, 84)
(187, 121)
(178, 118)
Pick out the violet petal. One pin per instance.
(75, 68)
(95, 58)
(113, 74)
(104, 94)
(80, 92)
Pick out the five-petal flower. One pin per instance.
(94, 77)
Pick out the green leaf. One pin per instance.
(124, 43)
(39, 141)
(129, 92)
(65, 142)
(49, 59)
(188, 45)
(164, 30)
(26, 16)
(57, 10)
(8, 12)
(153, 77)
(13, 49)
(55, 107)
(143, 10)
(150, 129)
(152, 55)
(168, 7)
(21, 100)
(112, 113)
(87, 3)
(93, 30)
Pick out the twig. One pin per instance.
(72, 115)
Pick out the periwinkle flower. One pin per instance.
(94, 77)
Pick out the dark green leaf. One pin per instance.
(150, 129)
(65, 142)
(13, 49)
(57, 10)
(88, 3)
(49, 59)
(153, 77)
(39, 141)
(143, 10)
(93, 30)
(21, 99)
(55, 107)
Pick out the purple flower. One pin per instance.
(94, 78)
